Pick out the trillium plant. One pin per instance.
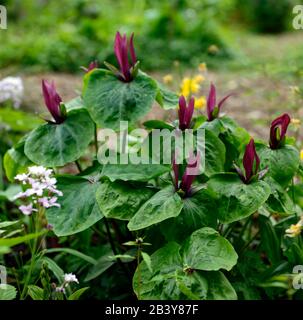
(218, 222)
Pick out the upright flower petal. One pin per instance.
(117, 48)
(222, 101)
(122, 48)
(132, 49)
(52, 100)
(278, 130)
(181, 112)
(190, 111)
(211, 102)
(190, 173)
(251, 161)
(185, 113)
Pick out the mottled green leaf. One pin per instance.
(163, 205)
(54, 145)
(79, 209)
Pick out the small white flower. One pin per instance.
(39, 171)
(69, 277)
(11, 88)
(49, 202)
(55, 191)
(27, 210)
(21, 177)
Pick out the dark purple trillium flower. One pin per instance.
(185, 112)
(278, 130)
(53, 102)
(93, 65)
(123, 48)
(192, 170)
(213, 110)
(251, 164)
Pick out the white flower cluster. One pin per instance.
(68, 278)
(40, 189)
(11, 88)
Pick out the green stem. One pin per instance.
(249, 242)
(78, 166)
(293, 195)
(139, 271)
(112, 244)
(35, 226)
(96, 140)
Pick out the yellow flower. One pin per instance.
(191, 85)
(200, 103)
(194, 86)
(186, 87)
(168, 79)
(301, 154)
(294, 230)
(295, 121)
(198, 78)
(202, 67)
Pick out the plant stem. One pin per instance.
(249, 242)
(112, 244)
(78, 166)
(33, 250)
(293, 195)
(96, 140)
(139, 271)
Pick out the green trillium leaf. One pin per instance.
(278, 201)
(199, 210)
(134, 172)
(206, 250)
(79, 209)
(214, 154)
(237, 200)
(54, 145)
(166, 98)
(286, 157)
(163, 205)
(110, 100)
(168, 277)
(121, 200)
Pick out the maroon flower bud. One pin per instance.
(212, 109)
(122, 48)
(53, 101)
(185, 113)
(251, 164)
(191, 171)
(278, 130)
